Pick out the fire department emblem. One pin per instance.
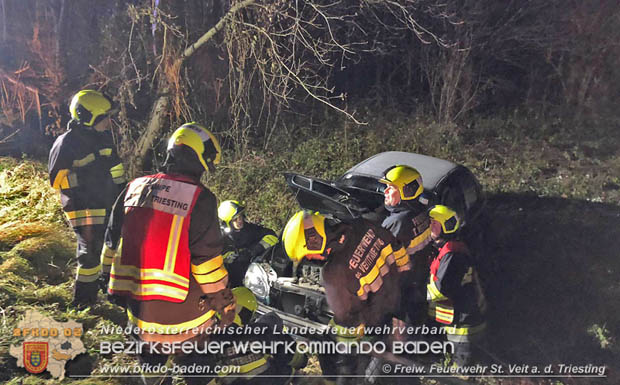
(35, 356)
(47, 344)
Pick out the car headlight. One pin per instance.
(257, 280)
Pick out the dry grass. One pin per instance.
(36, 268)
(26, 195)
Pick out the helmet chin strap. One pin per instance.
(74, 123)
(167, 161)
(210, 165)
(439, 242)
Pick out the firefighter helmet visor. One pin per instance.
(228, 210)
(89, 107)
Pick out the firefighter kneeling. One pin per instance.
(246, 240)
(454, 291)
(269, 367)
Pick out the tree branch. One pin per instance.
(218, 26)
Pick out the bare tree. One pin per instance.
(280, 58)
(283, 54)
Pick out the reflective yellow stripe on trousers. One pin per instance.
(86, 217)
(90, 274)
(464, 333)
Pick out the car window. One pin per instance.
(361, 182)
(452, 197)
(460, 192)
(301, 181)
(364, 189)
(470, 189)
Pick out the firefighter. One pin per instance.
(361, 272)
(409, 222)
(85, 168)
(246, 367)
(169, 268)
(456, 298)
(246, 240)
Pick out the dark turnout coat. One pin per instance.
(85, 168)
(361, 276)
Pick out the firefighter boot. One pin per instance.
(85, 294)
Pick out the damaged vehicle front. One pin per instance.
(295, 292)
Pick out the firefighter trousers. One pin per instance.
(89, 245)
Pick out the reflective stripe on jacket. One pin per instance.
(361, 277)
(155, 257)
(454, 291)
(85, 168)
(253, 237)
(410, 224)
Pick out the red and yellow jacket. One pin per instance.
(455, 294)
(155, 262)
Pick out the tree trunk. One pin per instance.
(156, 122)
(162, 103)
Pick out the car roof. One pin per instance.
(432, 169)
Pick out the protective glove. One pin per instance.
(245, 255)
(230, 257)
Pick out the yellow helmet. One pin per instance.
(199, 139)
(406, 179)
(304, 234)
(89, 107)
(448, 218)
(228, 210)
(246, 305)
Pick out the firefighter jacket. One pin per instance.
(85, 168)
(241, 366)
(242, 245)
(361, 276)
(457, 299)
(166, 230)
(410, 224)
(254, 237)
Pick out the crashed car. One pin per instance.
(359, 191)
(298, 295)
